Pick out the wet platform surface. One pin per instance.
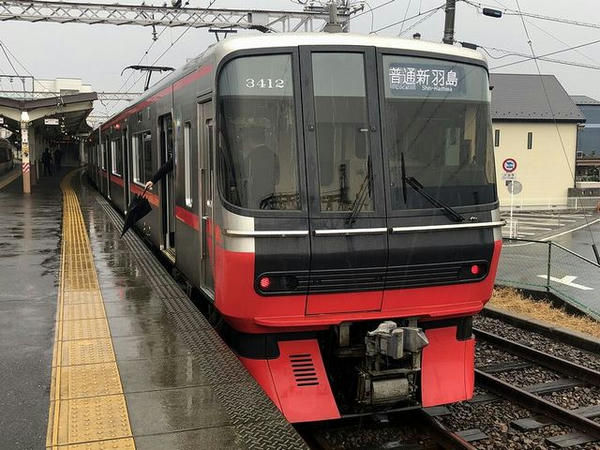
(29, 264)
(182, 386)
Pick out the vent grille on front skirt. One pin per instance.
(303, 368)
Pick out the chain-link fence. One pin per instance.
(550, 267)
(553, 204)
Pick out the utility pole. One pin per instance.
(449, 23)
(451, 15)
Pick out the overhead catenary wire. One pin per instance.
(420, 21)
(556, 52)
(510, 53)
(405, 14)
(511, 12)
(9, 60)
(551, 35)
(212, 2)
(410, 18)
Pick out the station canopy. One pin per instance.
(62, 118)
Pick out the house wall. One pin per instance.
(546, 171)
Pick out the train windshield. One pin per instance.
(258, 141)
(437, 130)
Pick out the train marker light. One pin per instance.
(264, 282)
(475, 269)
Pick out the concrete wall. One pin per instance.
(545, 171)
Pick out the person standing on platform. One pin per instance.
(57, 158)
(47, 161)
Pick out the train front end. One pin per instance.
(357, 227)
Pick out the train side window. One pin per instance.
(136, 158)
(187, 132)
(147, 149)
(116, 157)
(103, 151)
(211, 146)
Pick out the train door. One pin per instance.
(346, 207)
(126, 165)
(206, 166)
(167, 189)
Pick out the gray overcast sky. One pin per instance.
(98, 53)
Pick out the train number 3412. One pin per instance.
(265, 83)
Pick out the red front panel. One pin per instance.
(249, 312)
(447, 372)
(344, 302)
(259, 369)
(301, 382)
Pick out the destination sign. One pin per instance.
(425, 79)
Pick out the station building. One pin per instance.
(535, 125)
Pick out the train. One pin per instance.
(6, 156)
(334, 201)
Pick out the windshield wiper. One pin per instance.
(362, 195)
(414, 183)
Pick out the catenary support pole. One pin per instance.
(449, 23)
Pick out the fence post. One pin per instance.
(549, 265)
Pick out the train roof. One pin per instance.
(246, 42)
(221, 49)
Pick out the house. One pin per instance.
(535, 126)
(587, 164)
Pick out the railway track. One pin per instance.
(409, 428)
(530, 397)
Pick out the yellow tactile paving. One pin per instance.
(85, 329)
(89, 380)
(92, 419)
(87, 405)
(113, 444)
(74, 298)
(79, 311)
(87, 351)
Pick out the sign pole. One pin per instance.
(25, 165)
(512, 196)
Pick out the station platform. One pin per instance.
(120, 357)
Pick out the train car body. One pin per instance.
(6, 156)
(334, 199)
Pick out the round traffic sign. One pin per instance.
(514, 187)
(509, 165)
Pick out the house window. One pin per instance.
(529, 140)
(496, 138)
(116, 157)
(187, 161)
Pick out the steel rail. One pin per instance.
(573, 338)
(537, 404)
(442, 435)
(410, 416)
(542, 358)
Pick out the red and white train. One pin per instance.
(334, 199)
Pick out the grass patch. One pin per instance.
(519, 303)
